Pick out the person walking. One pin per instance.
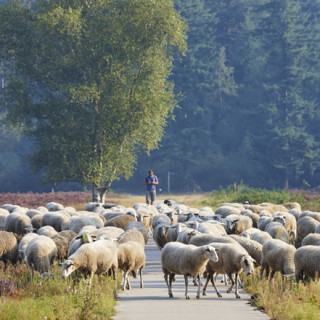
(151, 181)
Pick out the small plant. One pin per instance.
(6, 287)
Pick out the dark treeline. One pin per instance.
(248, 91)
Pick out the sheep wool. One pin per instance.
(187, 260)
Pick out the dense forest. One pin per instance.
(249, 104)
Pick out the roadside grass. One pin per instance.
(53, 298)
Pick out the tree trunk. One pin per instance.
(99, 194)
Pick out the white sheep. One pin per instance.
(306, 225)
(160, 234)
(174, 231)
(59, 220)
(261, 237)
(3, 214)
(54, 206)
(279, 256)
(131, 257)
(213, 228)
(277, 231)
(8, 247)
(311, 239)
(187, 260)
(131, 235)
(307, 262)
(227, 209)
(24, 243)
(77, 222)
(48, 231)
(290, 223)
(186, 234)
(82, 238)
(232, 259)
(40, 254)
(120, 221)
(18, 223)
(99, 257)
(237, 224)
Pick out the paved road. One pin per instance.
(152, 302)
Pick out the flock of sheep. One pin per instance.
(195, 243)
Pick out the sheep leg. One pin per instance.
(272, 274)
(199, 286)
(214, 285)
(124, 280)
(186, 284)
(128, 281)
(141, 281)
(169, 283)
(232, 282)
(91, 277)
(204, 291)
(236, 283)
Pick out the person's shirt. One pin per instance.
(148, 179)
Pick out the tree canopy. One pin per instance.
(88, 81)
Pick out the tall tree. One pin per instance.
(88, 80)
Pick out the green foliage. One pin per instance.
(89, 83)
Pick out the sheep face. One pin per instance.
(231, 225)
(247, 264)
(67, 267)
(209, 252)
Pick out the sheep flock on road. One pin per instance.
(233, 240)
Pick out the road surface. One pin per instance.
(152, 302)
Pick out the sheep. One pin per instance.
(213, 228)
(121, 221)
(232, 259)
(277, 231)
(185, 235)
(314, 215)
(290, 223)
(253, 247)
(36, 221)
(292, 205)
(48, 231)
(109, 232)
(311, 239)
(279, 256)
(252, 215)
(3, 214)
(187, 260)
(305, 226)
(78, 241)
(54, 206)
(136, 225)
(91, 206)
(307, 262)
(226, 210)
(263, 222)
(160, 235)
(160, 219)
(59, 220)
(24, 243)
(77, 222)
(131, 257)
(202, 239)
(131, 235)
(144, 216)
(237, 224)
(9, 207)
(40, 254)
(18, 223)
(62, 240)
(8, 248)
(99, 257)
(174, 231)
(261, 237)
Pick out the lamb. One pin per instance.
(120, 221)
(131, 235)
(8, 248)
(232, 259)
(187, 260)
(99, 257)
(311, 239)
(160, 234)
(40, 254)
(18, 223)
(307, 262)
(131, 257)
(236, 224)
(279, 256)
